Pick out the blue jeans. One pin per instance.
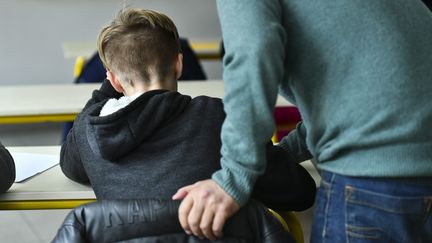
(355, 209)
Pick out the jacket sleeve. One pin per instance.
(285, 184)
(254, 64)
(7, 169)
(106, 91)
(70, 160)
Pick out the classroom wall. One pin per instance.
(32, 33)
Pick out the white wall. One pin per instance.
(32, 33)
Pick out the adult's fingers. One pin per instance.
(183, 213)
(182, 192)
(195, 215)
(219, 221)
(205, 209)
(207, 223)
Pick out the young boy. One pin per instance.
(152, 140)
(7, 169)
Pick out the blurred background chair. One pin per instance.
(286, 119)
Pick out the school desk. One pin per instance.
(62, 102)
(53, 190)
(48, 190)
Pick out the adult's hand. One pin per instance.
(204, 209)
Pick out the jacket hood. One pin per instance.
(120, 132)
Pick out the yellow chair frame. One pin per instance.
(291, 223)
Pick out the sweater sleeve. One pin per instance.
(294, 144)
(7, 169)
(254, 41)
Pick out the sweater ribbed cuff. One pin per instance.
(239, 186)
(294, 144)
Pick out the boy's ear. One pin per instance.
(114, 81)
(179, 65)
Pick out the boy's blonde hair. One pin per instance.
(140, 45)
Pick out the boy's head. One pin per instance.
(140, 46)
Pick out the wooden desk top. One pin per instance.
(44, 99)
(62, 102)
(52, 190)
(50, 184)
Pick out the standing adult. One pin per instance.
(7, 169)
(360, 73)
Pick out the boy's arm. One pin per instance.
(254, 64)
(70, 160)
(106, 91)
(7, 169)
(285, 184)
(294, 144)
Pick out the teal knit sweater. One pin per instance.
(360, 72)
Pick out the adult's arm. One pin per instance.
(253, 63)
(7, 169)
(294, 144)
(70, 159)
(254, 41)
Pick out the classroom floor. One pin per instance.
(40, 226)
(35, 226)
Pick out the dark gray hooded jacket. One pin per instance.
(162, 141)
(158, 143)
